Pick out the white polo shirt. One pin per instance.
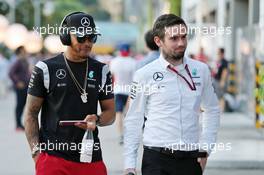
(123, 69)
(171, 107)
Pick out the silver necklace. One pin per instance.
(81, 89)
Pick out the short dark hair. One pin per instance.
(19, 50)
(149, 39)
(222, 50)
(166, 20)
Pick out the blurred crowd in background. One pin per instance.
(232, 46)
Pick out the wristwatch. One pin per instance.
(35, 151)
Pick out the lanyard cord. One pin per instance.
(192, 87)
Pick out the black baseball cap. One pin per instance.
(81, 24)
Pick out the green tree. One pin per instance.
(63, 7)
(175, 7)
(4, 7)
(25, 13)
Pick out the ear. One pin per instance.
(157, 40)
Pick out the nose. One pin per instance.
(181, 42)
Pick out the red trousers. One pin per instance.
(51, 165)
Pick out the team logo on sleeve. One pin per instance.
(158, 76)
(31, 81)
(60, 73)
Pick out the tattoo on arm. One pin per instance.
(33, 107)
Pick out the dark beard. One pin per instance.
(178, 56)
(175, 57)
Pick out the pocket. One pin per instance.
(150, 159)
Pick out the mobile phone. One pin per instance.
(70, 122)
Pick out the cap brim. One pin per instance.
(82, 34)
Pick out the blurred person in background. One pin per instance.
(20, 75)
(4, 80)
(221, 77)
(34, 58)
(153, 50)
(192, 56)
(122, 67)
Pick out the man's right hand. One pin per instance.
(20, 85)
(131, 171)
(91, 123)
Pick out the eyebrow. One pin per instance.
(178, 36)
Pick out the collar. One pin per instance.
(165, 63)
(154, 52)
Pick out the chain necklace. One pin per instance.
(81, 89)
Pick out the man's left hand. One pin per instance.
(202, 162)
(90, 123)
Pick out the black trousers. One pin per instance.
(156, 163)
(21, 95)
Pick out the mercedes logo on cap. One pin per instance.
(158, 76)
(60, 73)
(85, 21)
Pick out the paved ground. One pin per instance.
(245, 158)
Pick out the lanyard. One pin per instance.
(192, 87)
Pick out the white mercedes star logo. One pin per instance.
(60, 73)
(158, 76)
(85, 22)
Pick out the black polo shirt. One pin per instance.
(51, 80)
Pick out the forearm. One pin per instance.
(210, 126)
(133, 124)
(211, 115)
(223, 77)
(106, 118)
(12, 74)
(32, 131)
(14, 78)
(32, 109)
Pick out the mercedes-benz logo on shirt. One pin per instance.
(85, 22)
(158, 76)
(60, 73)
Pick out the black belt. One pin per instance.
(178, 153)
